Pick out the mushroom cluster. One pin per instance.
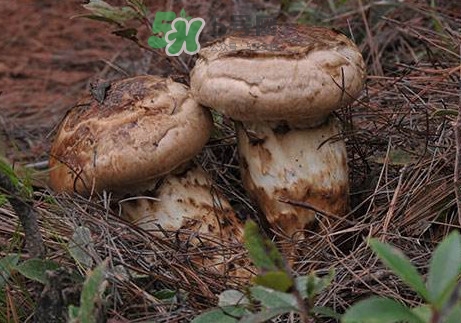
(138, 136)
(139, 141)
(282, 100)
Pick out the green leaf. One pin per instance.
(6, 169)
(444, 269)
(91, 296)
(182, 13)
(232, 297)
(165, 294)
(73, 313)
(325, 312)
(455, 314)
(140, 6)
(270, 298)
(35, 269)
(265, 315)
(424, 312)
(3, 199)
(400, 265)
(277, 280)
(99, 18)
(262, 251)
(103, 9)
(81, 246)
(379, 310)
(226, 314)
(7, 265)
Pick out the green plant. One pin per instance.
(91, 301)
(119, 16)
(33, 269)
(275, 291)
(442, 291)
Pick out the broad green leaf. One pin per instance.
(262, 251)
(232, 297)
(454, 316)
(277, 280)
(81, 246)
(265, 315)
(444, 269)
(35, 269)
(103, 9)
(91, 296)
(227, 314)
(7, 265)
(424, 312)
(325, 312)
(400, 265)
(379, 310)
(270, 298)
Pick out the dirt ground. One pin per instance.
(400, 138)
(48, 57)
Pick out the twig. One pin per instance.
(457, 173)
(27, 217)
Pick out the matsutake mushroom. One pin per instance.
(282, 89)
(137, 141)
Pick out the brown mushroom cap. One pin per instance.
(145, 127)
(300, 72)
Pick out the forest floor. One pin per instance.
(400, 136)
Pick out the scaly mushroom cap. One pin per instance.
(302, 166)
(299, 75)
(145, 127)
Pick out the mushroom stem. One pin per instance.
(302, 165)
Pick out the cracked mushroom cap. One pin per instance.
(144, 127)
(298, 73)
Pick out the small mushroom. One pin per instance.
(138, 142)
(144, 128)
(282, 90)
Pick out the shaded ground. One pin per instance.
(399, 133)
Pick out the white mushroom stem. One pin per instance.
(299, 165)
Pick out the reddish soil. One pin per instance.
(48, 58)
